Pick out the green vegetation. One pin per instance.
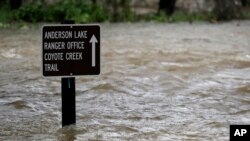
(4, 13)
(191, 17)
(74, 10)
(110, 11)
(79, 11)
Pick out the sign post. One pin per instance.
(69, 50)
(68, 101)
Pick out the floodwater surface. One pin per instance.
(166, 82)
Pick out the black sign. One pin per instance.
(69, 50)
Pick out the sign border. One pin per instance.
(56, 25)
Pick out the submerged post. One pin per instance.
(68, 101)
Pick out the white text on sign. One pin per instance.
(71, 45)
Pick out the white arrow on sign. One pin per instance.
(93, 40)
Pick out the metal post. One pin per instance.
(68, 101)
(68, 96)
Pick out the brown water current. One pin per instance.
(166, 82)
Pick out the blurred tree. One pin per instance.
(119, 10)
(245, 3)
(227, 9)
(2, 2)
(15, 4)
(168, 6)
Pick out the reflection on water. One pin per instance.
(158, 82)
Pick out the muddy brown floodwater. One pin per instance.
(166, 82)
